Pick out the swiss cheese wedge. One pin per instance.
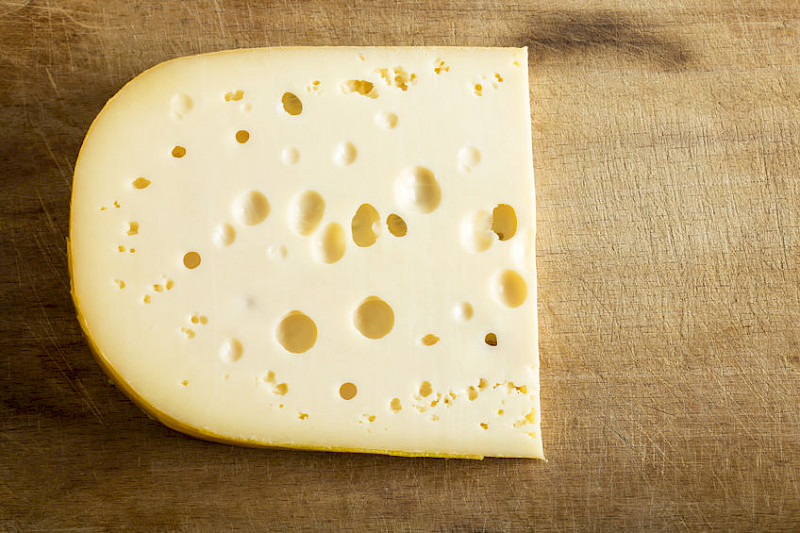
(319, 248)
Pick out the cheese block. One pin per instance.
(318, 248)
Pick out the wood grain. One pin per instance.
(667, 149)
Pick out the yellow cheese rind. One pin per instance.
(171, 415)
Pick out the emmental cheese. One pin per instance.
(318, 248)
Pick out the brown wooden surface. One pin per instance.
(667, 154)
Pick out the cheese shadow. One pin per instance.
(565, 34)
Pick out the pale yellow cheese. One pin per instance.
(321, 248)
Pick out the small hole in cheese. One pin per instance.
(416, 189)
(425, 389)
(133, 228)
(345, 153)
(504, 221)
(296, 332)
(386, 120)
(231, 350)
(476, 231)
(509, 288)
(397, 226)
(242, 136)
(292, 104)
(362, 87)
(463, 311)
(373, 318)
(233, 96)
(395, 405)
(250, 208)
(328, 244)
(290, 156)
(191, 260)
(178, 152)
(430, 339)
(140, 183)
(365, 225)
(491, 339)
(348, 391)
(305, 212)
(223, 235)
(468, 158)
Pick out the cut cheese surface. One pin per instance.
(318, 248)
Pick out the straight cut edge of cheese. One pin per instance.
(318, 248)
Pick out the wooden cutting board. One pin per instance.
(667, 155)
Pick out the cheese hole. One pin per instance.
(463, 312)
(178, 151)
(132, 250)
(223, 235)
(491, 339)
(140, 183)
(242, 136)
(484, 425)
(158, 287)
(472, 394)
(188, 333)
(292, 104)
(468, 158)
(509, 288)
(395, 405)
(365, 225)
(120, 284)
(303, 416)
(504, 221)
(348, 391)
(290, 156)
(146, 299)
(231, 350)
(386, 120)
(430, 339)
(362, 87)
(305, 212)
(478, 89)
(476, 231)
(184, 382)
(373, 318)
(277, 252)
(296, 332)
(416, 189)
(397, 226)
(180, 105)
(329, 244)
(345, 153)
(233, 96)
(281, 389)
(133, 228)
(425, 389)
(191, 260)
(250, 208)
